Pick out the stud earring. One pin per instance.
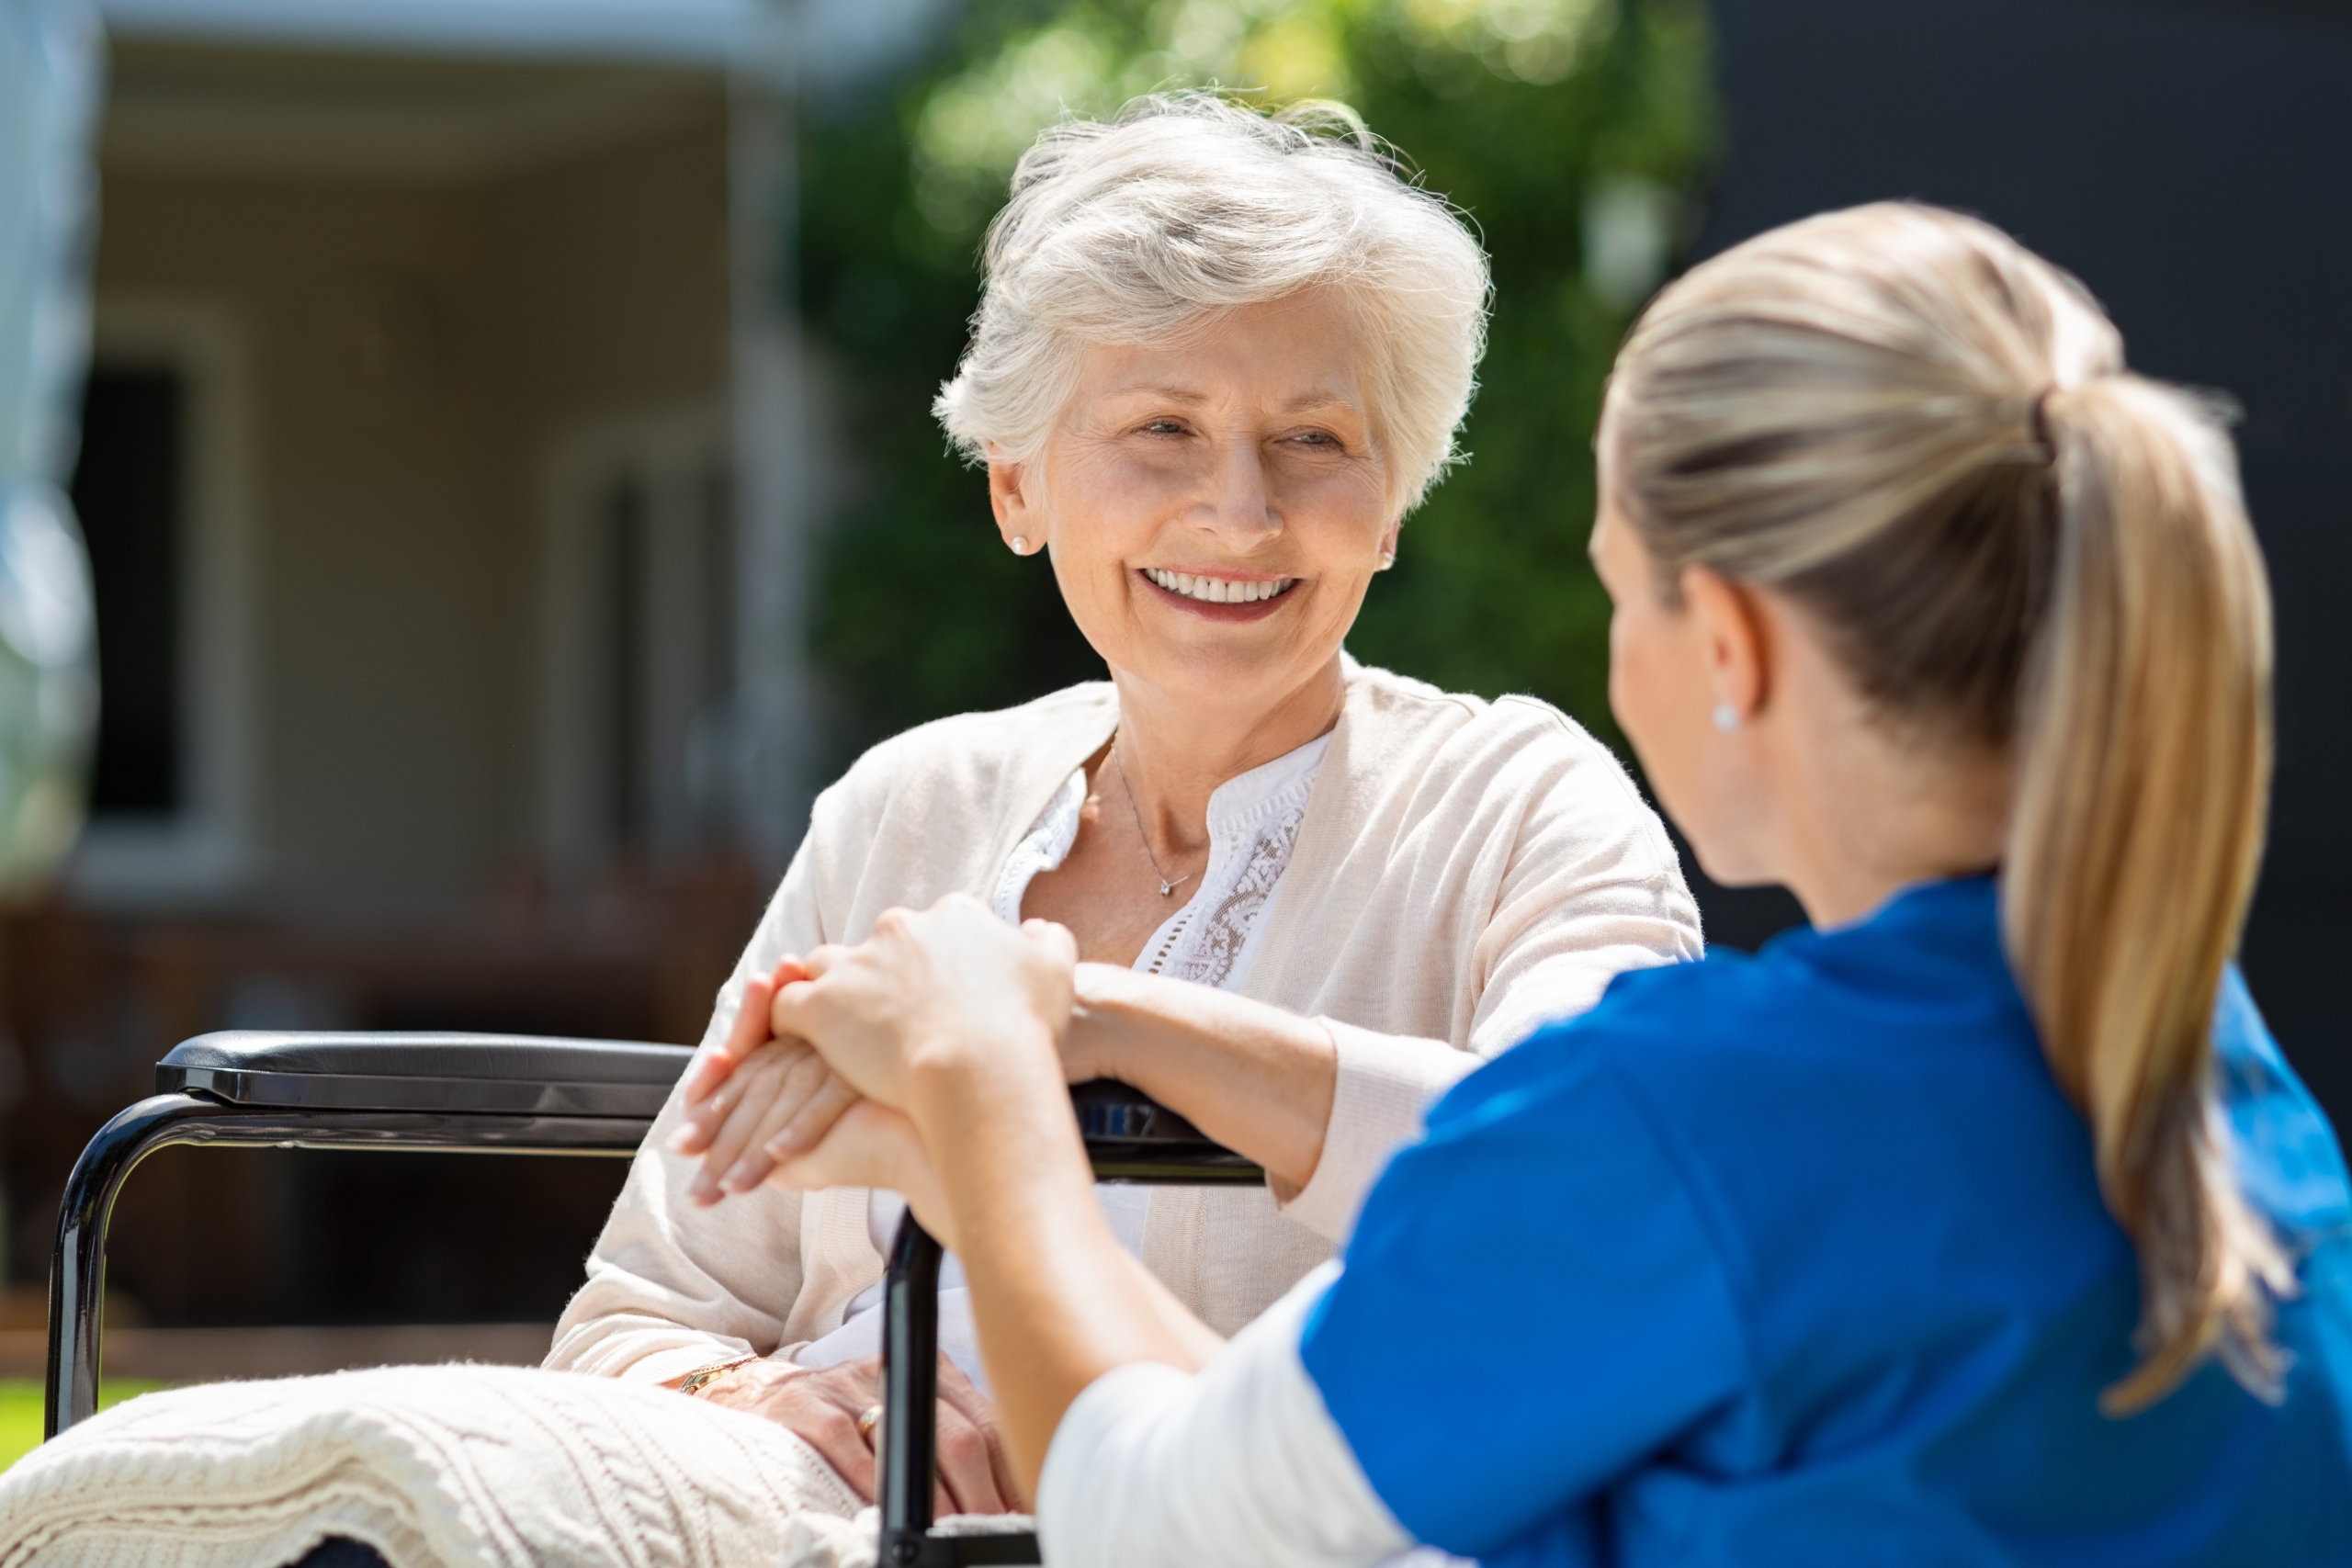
(1020, 545)
(1387, 560)
(1726, 718)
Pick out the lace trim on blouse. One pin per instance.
(1254, 826)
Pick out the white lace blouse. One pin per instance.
(1253, 820)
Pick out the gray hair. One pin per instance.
(1146, 227)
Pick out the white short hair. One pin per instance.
(1145, 227)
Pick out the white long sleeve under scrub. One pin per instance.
(1239, 1464)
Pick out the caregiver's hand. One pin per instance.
(823, 1408)
(948, 979)
(872, 1145)
(754, 1100)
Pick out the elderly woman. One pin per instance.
(1218, 358)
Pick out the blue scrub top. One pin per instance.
(1799, 1258)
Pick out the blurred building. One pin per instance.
(443, 476)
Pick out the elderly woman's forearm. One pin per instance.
(1254, 1077)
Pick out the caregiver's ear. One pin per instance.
(1728, 623)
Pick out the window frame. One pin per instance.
(670, 454)
(203, 852)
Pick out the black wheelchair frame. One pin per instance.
(527, 1094)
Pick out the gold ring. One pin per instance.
(868, 1420)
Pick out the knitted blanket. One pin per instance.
(434, 1467)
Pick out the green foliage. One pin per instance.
(1538, 118)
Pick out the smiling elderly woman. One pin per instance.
(1218, 359)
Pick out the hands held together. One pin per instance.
(942, 1044)
(815, 1084)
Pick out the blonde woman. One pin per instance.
(1982, 1223)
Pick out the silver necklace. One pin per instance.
(1166, 887)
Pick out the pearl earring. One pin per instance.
(1726, 718)
(1020, 545)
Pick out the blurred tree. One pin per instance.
(1569, 130)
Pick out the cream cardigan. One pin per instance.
(1465, 870)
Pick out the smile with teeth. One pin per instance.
(1219, 589)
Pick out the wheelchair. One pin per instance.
(523, 1094)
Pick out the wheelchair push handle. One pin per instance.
(1130, 1137)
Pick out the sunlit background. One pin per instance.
(499, 432)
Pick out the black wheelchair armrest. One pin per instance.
(504, 1093)
(1132, 1137)
(515, 1075)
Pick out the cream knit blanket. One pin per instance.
(434, 1467)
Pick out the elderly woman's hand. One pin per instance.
(949, 978)
(826, 1407)
(754, 1100)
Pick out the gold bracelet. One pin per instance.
(703, 1377)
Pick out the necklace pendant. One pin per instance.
(1166, 888)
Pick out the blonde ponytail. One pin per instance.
(2144, 764)
(1923, 434)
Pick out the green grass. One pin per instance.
(20, 1411)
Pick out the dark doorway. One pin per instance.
(127, 491)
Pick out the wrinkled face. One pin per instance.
(1216, 510)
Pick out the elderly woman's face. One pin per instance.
(1216, 510)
